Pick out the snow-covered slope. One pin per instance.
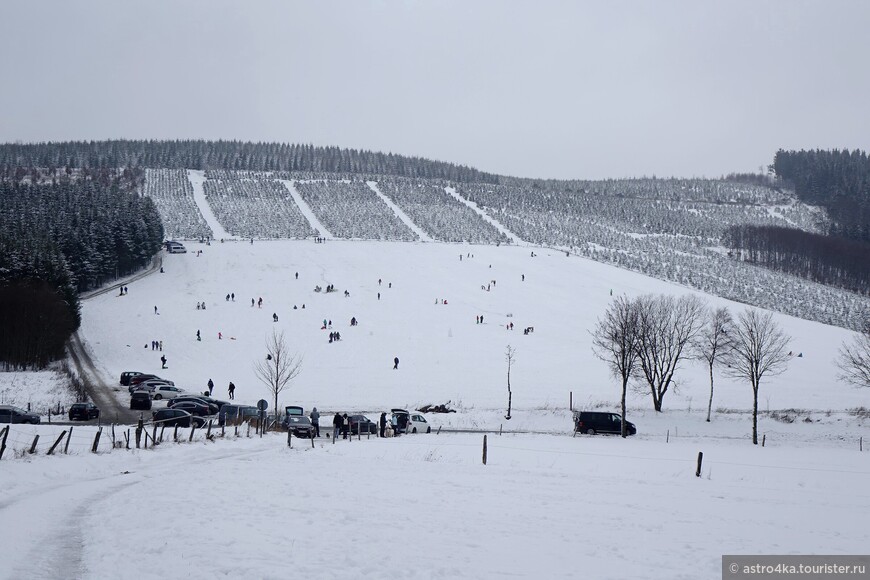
(444, 354)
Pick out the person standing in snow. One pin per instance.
(382, 422)
(336, 425)
(198, 337)
(163, 360)
(315, 421)
(232, 391)
(155, 310)
(210, 387)
(345, 426)
(395, 363)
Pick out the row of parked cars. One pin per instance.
(185, 409)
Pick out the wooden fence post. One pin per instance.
(162, 429)
(571, 400)
(439, 430)
(56, 443)
(113, 435)
(249, 429)
(68, 437)
(139, 428)
(208, 431)
(668, 436)
(3, 442)
(154, 435)
(97, 439)
(700, 459)
(33, 447)
(484, 449)
(289, 442)
(192, 430)
(312, 442)
(861, 444)
(499, 429)
(763, 439)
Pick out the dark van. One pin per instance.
(592, 422)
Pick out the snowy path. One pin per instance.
(197, 178)
(513, 237)
(307, 211)
(398, 211)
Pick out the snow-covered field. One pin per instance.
(423, 506)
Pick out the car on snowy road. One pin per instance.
(140, 400)
(176, 418)
(167, 392)
(592, 422)
(362, 424)
(83, 412)
(403, 421)
(299, 425)
(127, 375)
(12, 414)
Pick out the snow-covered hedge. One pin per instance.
(256, 208)
(172, 193)
(353, 210)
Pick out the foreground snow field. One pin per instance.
(425, 507)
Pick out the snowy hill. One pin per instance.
(444, 354)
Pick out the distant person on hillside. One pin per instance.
(233, 296)
(523, 277)
(232, 391)
(260, 302)
(228, 297)
(198, 337)
(252, 302)
(163, 360)
(297, 277)
(274, 317)
(155, 310)
(210, 387)
(396, 363)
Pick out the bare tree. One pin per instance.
(713, 344)
(760, 348)
(854, 360)
(510, 355)
(280, 366)
(666, 326)
(615, 342)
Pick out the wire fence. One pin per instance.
(20, 440)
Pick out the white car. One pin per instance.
(418, 424)
(166, 392)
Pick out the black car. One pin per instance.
(12, 414)
(83, 412)
(592, 422)
(211, 408)
(299, 425)
(362, 424)
(140, 400)
(176, 418)
(127, 375)
(196, 408)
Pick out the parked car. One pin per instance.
(136, 379)
(149, 384)
(399, 419)
(140, 400)
(127, 375)
(167, 392)
(175, 247)
(592, 422)
(176, 418)
(362, 424)
(198, 409)
(418, 424)
(211, 407)
(83, 412)
(235, 414)
(12, 414)
(299, 425)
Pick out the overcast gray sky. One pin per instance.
(569, 89)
